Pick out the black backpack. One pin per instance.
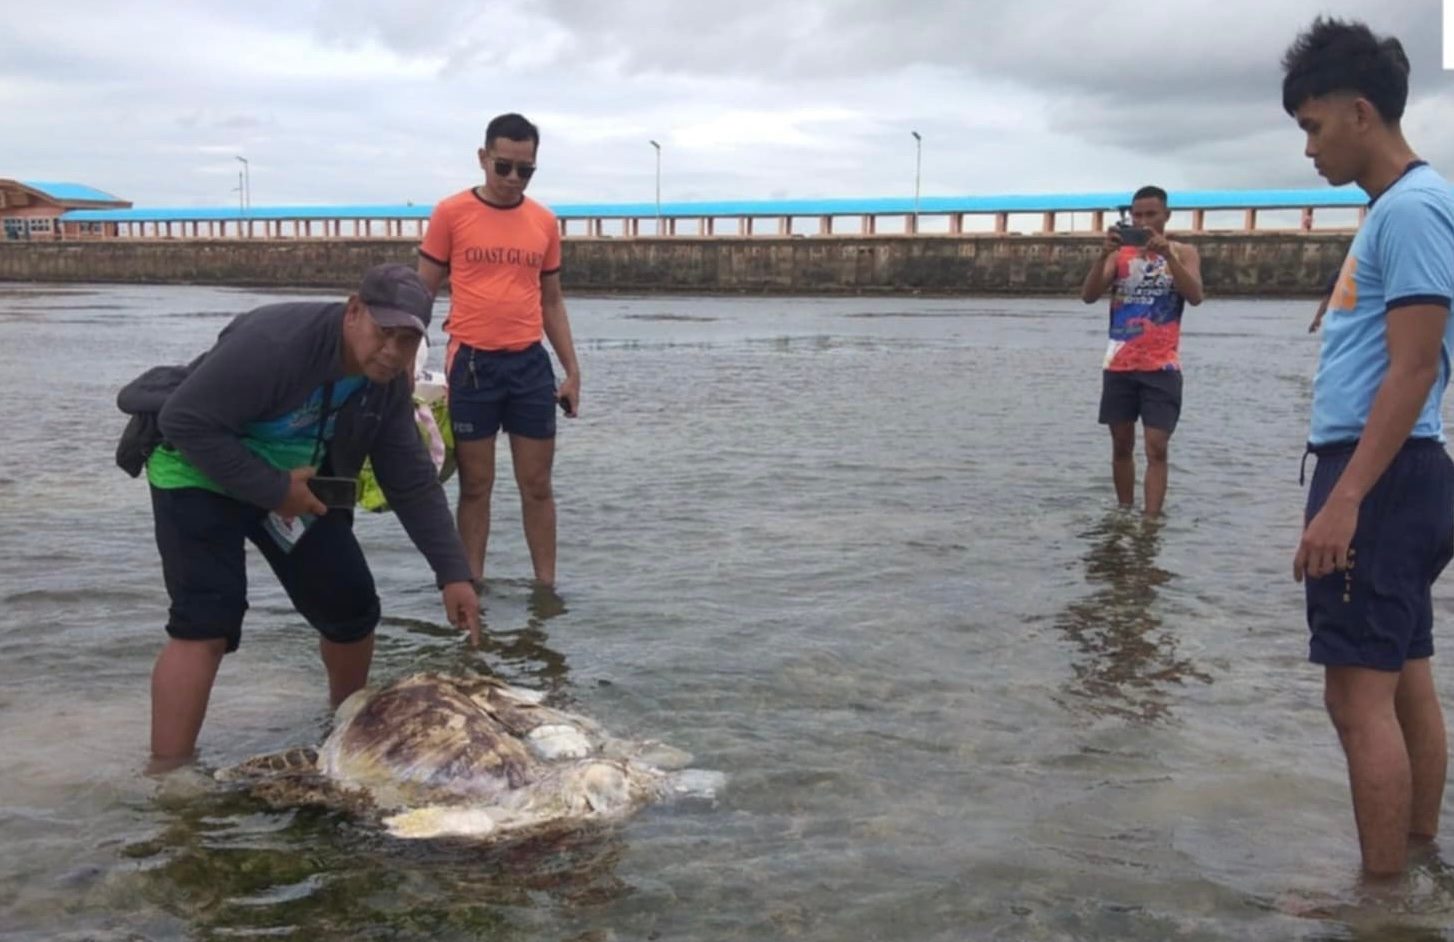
(142, 399)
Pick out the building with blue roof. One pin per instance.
(31, 209)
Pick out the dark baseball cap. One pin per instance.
(396, 297)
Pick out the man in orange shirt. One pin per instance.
(500, 251)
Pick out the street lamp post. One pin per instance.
(246, 184)
(918, 163)
(658, 185)
(240, 191)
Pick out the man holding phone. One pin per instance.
(287, 391)
(1151, 279)
(500, 251)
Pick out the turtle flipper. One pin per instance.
(445, 821)
(289, 761)
(291, 779)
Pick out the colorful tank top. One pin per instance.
(1145, 314)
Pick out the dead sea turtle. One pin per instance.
(432, 755)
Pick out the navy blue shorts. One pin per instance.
(1379, 612)
(1153, 396)
(491, 389)
(200, 536)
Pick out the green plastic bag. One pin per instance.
(438, 437)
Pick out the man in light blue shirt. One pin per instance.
(1379, 525)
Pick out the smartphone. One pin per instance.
(1134, 235)
(339, 493)
(564, 403)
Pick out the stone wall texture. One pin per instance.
(1246, 263)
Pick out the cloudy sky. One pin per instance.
(385, 101)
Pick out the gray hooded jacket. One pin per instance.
(267, 363)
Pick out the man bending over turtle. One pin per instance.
(287, 392)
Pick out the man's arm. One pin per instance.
(205, 417)
(436, 248)
(1327, 299)
(411, 485)
(557, 331)
(432, 273)
(1185, 264)
(1318, 317)
(1415, 338)
(1102, 271)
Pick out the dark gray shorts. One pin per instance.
(1379, 612)
(491, 389)
(200, 536)
(1152, 396)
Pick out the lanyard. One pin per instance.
(323, 414)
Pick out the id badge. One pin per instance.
(286, 534)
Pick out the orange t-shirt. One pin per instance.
(495, 256)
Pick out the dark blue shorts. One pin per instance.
(491, 389)
(200, 536)
(1153, 396)
(1379, 612)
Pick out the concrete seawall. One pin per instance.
(1243, 263)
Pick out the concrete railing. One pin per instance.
(1194, 211)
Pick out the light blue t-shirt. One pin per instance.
(1402, 255)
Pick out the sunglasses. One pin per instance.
(504, 167)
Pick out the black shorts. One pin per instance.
(489, 389)
(200, 536)
(1153, 396)
(1379, 612)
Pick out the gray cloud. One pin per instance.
(366, 101)
(1176, 79)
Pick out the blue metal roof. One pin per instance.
(1008, 203)
(70, 191)
(229, 214)
(1021, 203)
